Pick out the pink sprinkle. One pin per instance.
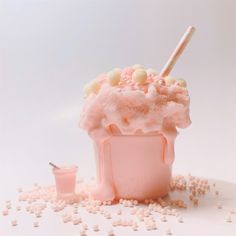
(111, 233)
(38, 215)
(19, 190)
(36, 224)
(114, 223)
(14, 222)
(96, 228)
(232, 211)
(83, 233)
(85, 226)
(168, 232)
(119, 212)
(229, 219)
(5, 212)
(76, 221)
(163, 219)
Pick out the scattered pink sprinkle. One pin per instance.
(5, 212)
(36, 224)
(14, 223)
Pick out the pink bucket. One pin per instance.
(133, 167)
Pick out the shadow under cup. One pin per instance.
(138, 165)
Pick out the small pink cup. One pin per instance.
(65, 178)
(140, 166)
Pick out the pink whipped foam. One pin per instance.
(132, 108)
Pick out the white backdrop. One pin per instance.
(50, 49)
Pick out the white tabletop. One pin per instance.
(206, 219)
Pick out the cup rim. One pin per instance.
(65, 169)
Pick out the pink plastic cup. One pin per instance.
(133, 167)
(65, 178)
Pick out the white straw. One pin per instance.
(178, 51)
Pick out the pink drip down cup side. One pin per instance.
(65, 178)
(133, 167)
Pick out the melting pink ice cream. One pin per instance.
(130, 108)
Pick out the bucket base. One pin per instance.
(132, 167)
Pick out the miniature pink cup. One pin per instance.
(65, 178)
(140, 166)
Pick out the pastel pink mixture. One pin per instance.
(133, 108)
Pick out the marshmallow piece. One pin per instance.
(114, 76)
(169, 80)
(181, 83)
(139, 76)
(137, 66)
(151, 71)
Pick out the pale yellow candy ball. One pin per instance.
(151, 71)
(182, 83)
(118, 69)
(139, 76)
(95, 86)
(169, 80)
(113, 77)
(92, 87)
(87, 89)
(137, 66)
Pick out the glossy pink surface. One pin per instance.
(133, 167)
